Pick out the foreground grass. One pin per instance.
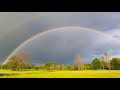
(60, 74)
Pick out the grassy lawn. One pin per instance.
(60, 74)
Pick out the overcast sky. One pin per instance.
(16, 27)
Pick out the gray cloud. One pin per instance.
(9, 20)
(38, 22)
(62, 46)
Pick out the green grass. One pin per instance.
(60, 74)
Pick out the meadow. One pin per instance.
(60, 74)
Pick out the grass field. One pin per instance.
(60, 74)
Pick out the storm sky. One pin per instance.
(61, 45)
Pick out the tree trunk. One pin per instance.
(109, 66)
(1, 67)
(81, 67)
(103, 68)
(78, 67)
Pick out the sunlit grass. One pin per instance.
(60, 74)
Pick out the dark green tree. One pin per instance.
(49, 65)
(68, 67)
(28, 66)
(74, 67)
(96, 64)
(32, 66)
(115, 63)
(37, 68)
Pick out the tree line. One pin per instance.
(20, 62)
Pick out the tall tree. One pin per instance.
(23, 55)
(18, 61)
(16, 64)
(103, 63)
(62, 67)
(107, 58)
(78, 62)
(58, 67)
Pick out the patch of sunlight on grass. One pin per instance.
(60, 74)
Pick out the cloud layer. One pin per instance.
(30, 24)
(62, 45)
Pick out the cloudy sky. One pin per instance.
(60, 45)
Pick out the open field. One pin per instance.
(60, 74)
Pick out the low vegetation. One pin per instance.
(18, 63)
(18, 67)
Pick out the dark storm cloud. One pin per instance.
(9, 20)
(99, 20)
(62, 46)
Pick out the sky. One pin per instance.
(17, 27)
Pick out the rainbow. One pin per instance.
(52, 30)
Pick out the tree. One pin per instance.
(62, 67)
(28, 66)
(58, 67)
(74, 67)
(17, 62)
(107, 58)
(103, 64)
(96, 64)
(115, 63)
(1, 66)
(23, 56)
(49, 65)
(78, 62)
(53, 66)
(36, 68)
(42, 66)
(32, 66)
(84, 66)
(68, 67)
